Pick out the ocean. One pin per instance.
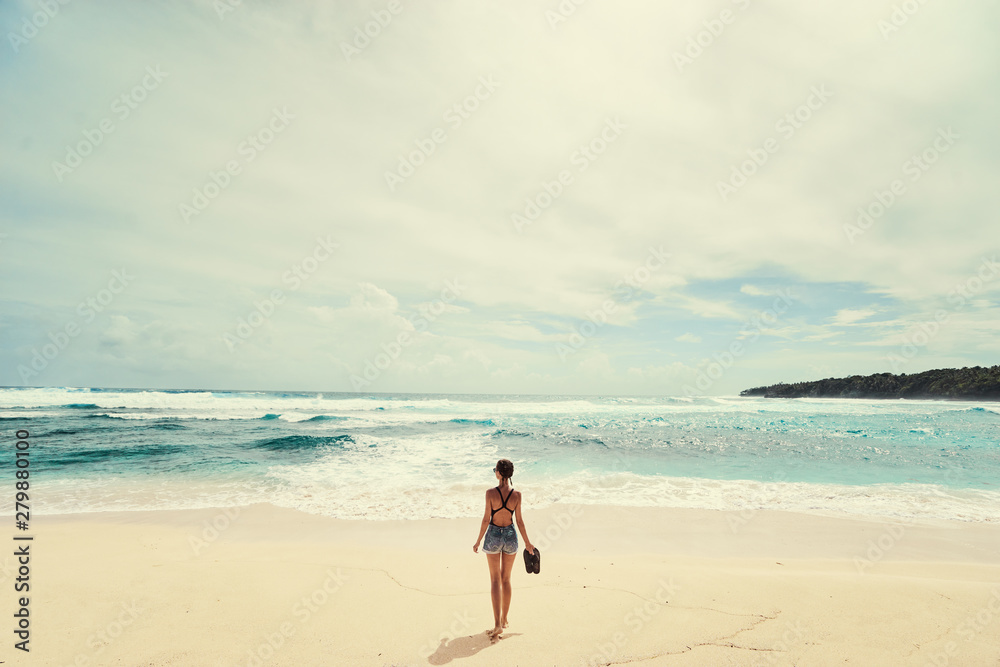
(376, 457)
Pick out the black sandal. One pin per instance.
(533, 563)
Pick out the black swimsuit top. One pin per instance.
(503, 507)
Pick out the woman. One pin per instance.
(503, 505)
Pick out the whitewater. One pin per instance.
(377, 457)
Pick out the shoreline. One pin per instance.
(264, 585)
(694, 532)
(910, 502)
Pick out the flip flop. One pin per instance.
(532, 563)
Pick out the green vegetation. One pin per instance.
(976, 382)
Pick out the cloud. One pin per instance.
(755, 291)
(353, 121)
(848, 316)
(371, 297)
(521, 331)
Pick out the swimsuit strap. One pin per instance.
(505, 499)
(502, 507)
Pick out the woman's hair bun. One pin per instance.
(505, 467)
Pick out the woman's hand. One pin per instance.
(531, 548)
(475, 547)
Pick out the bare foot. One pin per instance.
(495, 633)
(504, 624)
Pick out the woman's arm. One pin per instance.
(485, 524)
(520, 524)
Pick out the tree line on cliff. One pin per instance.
(975, 382)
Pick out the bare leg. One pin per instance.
(493, 560)
(506, 566)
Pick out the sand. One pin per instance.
(644, 586)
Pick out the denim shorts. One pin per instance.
(500, 538)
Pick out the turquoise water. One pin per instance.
(379, 456)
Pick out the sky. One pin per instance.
(594, 197)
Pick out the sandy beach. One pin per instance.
(290, 287)
(263, 585)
